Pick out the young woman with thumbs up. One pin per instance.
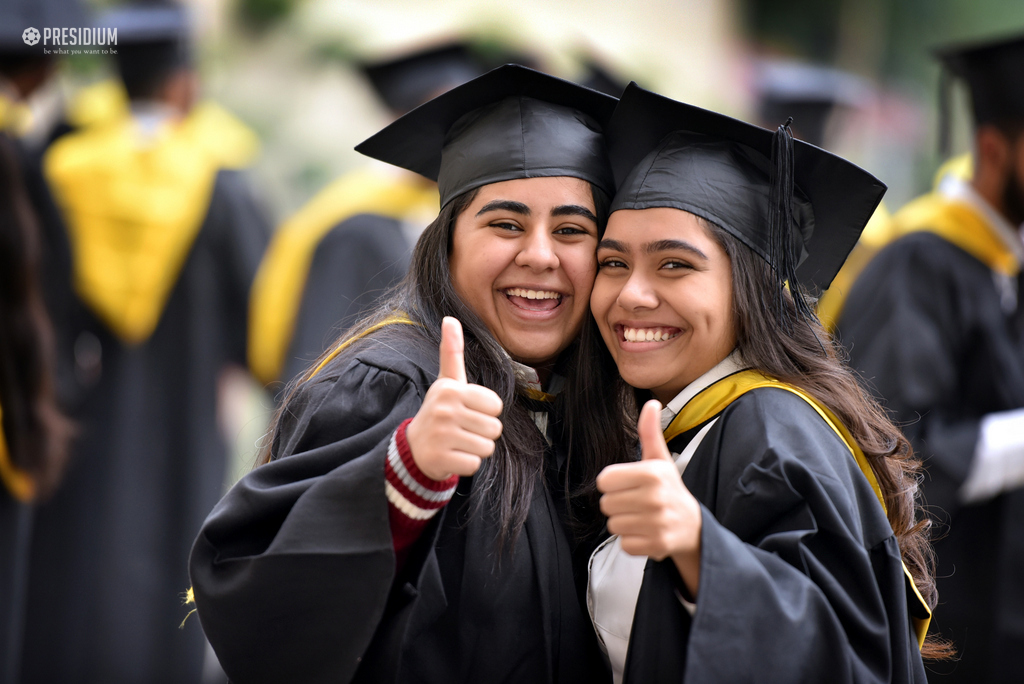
(792, 549)
(427, 504)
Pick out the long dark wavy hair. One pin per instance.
(35, 430)
(774, 339)
(594, 435)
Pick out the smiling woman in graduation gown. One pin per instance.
(341, 559)
(777, 560)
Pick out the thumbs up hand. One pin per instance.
(648, 505)
(457, 424)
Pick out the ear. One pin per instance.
(992, 163)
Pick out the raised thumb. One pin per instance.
(652, 442)
(453, 366)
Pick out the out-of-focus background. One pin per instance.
(289, 69)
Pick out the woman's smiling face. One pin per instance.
(522, 258)
(663, 299)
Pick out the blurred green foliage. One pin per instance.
(263, 14)
(905, 31)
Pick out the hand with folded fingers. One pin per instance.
(458, 424)
(648, 505)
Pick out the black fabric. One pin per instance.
(670, 154)
(353, 266)
(294, 571)
(512, 122)
(15, 537)
(925, 327)
(110, 550)
(800, 576)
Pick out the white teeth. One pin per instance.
(532, 294)
(647, 334)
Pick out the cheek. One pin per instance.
(602, 297)
(581, 267)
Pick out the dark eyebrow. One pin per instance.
(614, 245)
(505, 205)
(652, 247)
(573, 210)
(672, 245)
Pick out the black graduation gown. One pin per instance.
(353, 265)
(925, 328)
(110, 550)
(16, 517)
(800, 574)
(294, 572)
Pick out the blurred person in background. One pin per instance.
(166, 238)
(33, 431)
(328, 264)
(935, 324)
(25, 71)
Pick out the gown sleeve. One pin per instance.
(800, 577)
(293, 569)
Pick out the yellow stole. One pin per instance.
(281, 278)
(714, 399)
(134, 208)
(16, 481)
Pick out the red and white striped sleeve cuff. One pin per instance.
(413, 498)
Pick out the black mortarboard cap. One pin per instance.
(406, 82)
(734, 174)
(994, 72)
(17, 16)
(153, 41)
(512, 122)
(809, 93)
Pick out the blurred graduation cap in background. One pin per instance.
(510, 123)
(17, 16)
(153, 42)
(807, 92)
(410, 79)
(599, 78)
(994, 72)
(666, 153)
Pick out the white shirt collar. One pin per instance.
(729, 365)
(150, 117)
(955, 188)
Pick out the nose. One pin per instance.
(637, 294)
(538, 252)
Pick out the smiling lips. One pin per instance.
(659, 334)
(533, 300)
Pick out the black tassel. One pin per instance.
(782, 251)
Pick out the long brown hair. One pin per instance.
(35, 430)
(503, 487)
(799, 351)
